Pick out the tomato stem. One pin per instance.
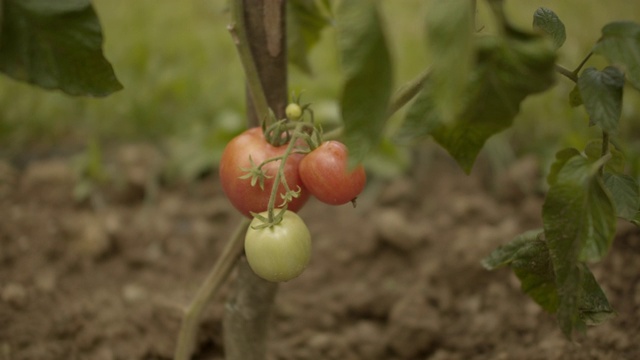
(216, 277)
(239, 35)
(582, 63)
(573, 75)
(280, 179)
(399, 99)
(407, 92)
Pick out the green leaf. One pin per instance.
(528, 257)
(575, 99)
(617, 162)
(534, 268)
(305, 22)
(562, 157)
(620, 43)
(55, 45)
(366, 64)
(625, 194)
(505, 254)
(636, 219)
(579, 225)
(450, 36)
(547, 21)
(507, 70)
(580, 210)
(422, 116)
(594, 308)
(601, 92)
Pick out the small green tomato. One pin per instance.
(280, 252)
(293, 111)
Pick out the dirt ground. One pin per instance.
(398, 277)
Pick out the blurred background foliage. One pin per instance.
(184, 91)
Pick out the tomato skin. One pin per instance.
(280, 252)
(244, 197)
(325, 174)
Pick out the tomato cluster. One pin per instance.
(246, 151)
(323, 173)
(248, 170)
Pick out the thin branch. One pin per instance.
(407, 92)
(279, 180)
(584, 61)
(566, 72)
(399, 99)
(217, 276)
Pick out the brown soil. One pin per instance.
(398, 277)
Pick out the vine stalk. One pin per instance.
(213, 281)
(248, 309)
(240, 38)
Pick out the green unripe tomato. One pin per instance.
(293, 111)
(280, 252)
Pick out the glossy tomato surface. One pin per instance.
(326, 175)
(243, 196)
(280, 252)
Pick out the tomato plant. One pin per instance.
(472, 89)
(278, 252)
(325, 173)
(249, 188)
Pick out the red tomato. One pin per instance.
(325, 174)
(247, 198)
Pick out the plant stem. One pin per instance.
(566, 72)
(246, 315)
(400, 98)
(573, 75)
(217, 275)
(584, 61)
(247, 311)
(283, 162)
(241, 40)
(407, 92)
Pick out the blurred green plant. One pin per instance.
(90, 172)
(178, 68)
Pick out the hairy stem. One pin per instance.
(211, 284)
